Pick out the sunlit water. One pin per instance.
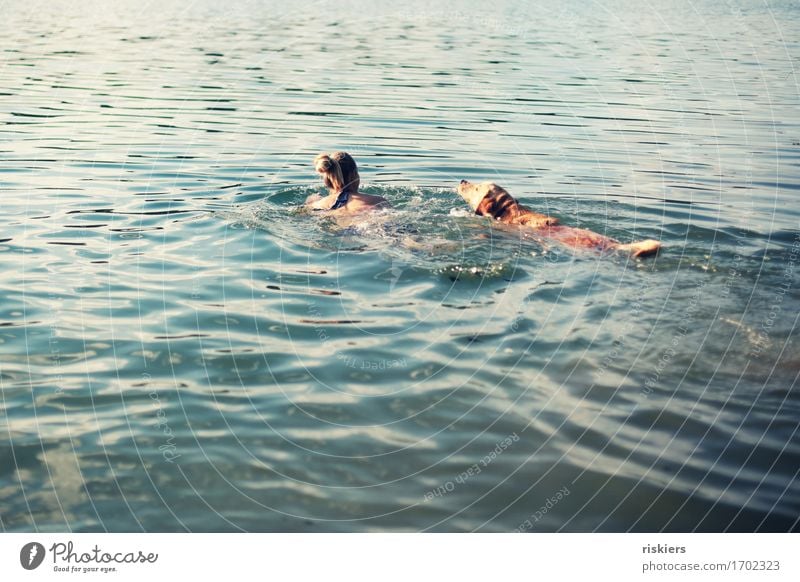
(182, 348)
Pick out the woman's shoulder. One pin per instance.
(372, 200)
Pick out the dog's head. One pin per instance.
(487, 199)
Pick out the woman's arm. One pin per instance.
(370, 200)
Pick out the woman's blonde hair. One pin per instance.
(339, 171)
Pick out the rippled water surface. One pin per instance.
(182, 348)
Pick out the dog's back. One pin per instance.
(489, 199)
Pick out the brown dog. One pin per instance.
(489, 199)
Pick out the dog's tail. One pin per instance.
(642, 248)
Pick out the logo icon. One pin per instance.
(31, 555)
(392, 274)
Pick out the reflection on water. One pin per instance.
(183, 348)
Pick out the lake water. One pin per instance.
(181, 348)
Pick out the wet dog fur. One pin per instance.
(489, 199)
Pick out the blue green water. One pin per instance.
(182, 349)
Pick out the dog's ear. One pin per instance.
(498, 204)
(485, 207)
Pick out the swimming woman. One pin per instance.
(340, 174)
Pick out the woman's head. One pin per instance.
(339, 171)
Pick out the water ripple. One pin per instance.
(183, 347)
